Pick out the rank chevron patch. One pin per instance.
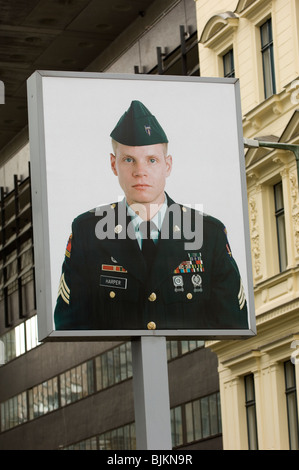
(241, 296)
(63, 290)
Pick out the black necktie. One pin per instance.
(148, 245)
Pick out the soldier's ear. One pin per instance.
(168, 164)
(113, 163)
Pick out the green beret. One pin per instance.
(137, 127)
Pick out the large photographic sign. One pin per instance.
(91, 278)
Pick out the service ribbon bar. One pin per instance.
(110, 267)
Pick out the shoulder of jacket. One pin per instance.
(213, 222)
(207, 219)
(93, 214)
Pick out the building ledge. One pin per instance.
(218, 27)
(250, 9)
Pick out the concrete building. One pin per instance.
(79, 395)
(257, 41)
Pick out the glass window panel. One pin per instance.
(51, 395)
(293, 421)
(192, 345)
(116, 361)
(185, 346)
(2, 409)
(268, 73)
(228, 64)
(55, 393)
(84, 380)
(44, 388)
(34, 403)
(189, 422)
(23, 412)
(31, 333)
(2, 352)
(252, 426)
(62, 389)
(110, 367)
(30, 404)
(249, 387)
(13, 411)
(213, 414)
(120, 439)
(174, 349)
(123, 361)
(93, 444)
(292, 410)
(4, 416)
(20, 339)
(197, 420)
(90, 377)
(113, 438)
(6, 405)
(126, 438)
(68, 391)
(105, 370)
(168, 350)
(11, 345)
(219, 413)
(280, 226)
(129, 359)
(133, 436)
(173, 427)
(268, 58)
(73, 384)
(290, 375)
(9, 413)
(29, 338)
(281, 233)
(204, 408)
(251, 412)
(178, 425)
(278, 196)
(265, 34)
(99, 383)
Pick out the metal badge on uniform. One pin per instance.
(148, 130)
(178, 283)
(197, 282)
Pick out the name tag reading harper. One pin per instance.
(110, 281)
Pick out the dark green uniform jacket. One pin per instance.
(105, 284)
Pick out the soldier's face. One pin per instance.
(142, 172)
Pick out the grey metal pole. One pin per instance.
(151, 393)
(254, 143)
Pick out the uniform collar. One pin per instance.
(157, 219)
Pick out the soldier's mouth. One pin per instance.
(141, 186)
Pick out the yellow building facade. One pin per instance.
(257, 41)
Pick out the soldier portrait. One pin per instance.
(148, 261)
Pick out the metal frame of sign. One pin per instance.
(39, 119)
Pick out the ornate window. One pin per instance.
(280, 226)
(251, 412)
(291, 397)
(268, 58)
